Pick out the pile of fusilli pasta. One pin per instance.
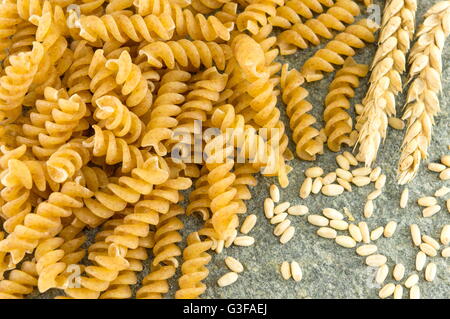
(97, 96)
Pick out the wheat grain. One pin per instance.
(397, 29)
(422, 102)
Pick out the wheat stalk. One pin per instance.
(396, 33)
(422, 102)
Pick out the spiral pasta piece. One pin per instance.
(117, 118)
(292, 11)
(255, 15)
(343, 44)
(165, 251)
(338, 123)
(199, 201)
(193, 269)
(165, 108)
(17, 80)
(20, 282)
(301, 34)
(102, 80)
(67, 160)
(306, 137)
(45, 222)
(146, 7)
(9, 19)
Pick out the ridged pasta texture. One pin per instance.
(422, 101)
(397, 31)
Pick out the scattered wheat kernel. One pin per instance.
(355, 232)
(234, 265)
(329, 178)
(366, 250)
(442, 191)
(230, 239)
(332, 213)
(345, 175)
(411, 280)
(368, 209)
(445, 252)
(287, 235)
(414, 292)
(345, 241)
(362, 171)
(248, 224)
(316, 185)
(348, 214)
(376, 233)
(386, 291)
(398, 292)
(296, 271)
(332, 190)
(281, 208)
(445, 174)
(427, 201)
(268, 208)
(430, 272)
(373, 195)
(227, 279)
(351, 158)
(445, 159)
(274, 193)
(361, 181)
(343, 162)
(380, 182)
(428, 249)
(381, 274)
(306, 188)
(421, 259)
(327, 232)
(344, 184)
(445, 235)
(285, 270)
(389, 229)
(298, 210)
(431, 241)
(364, 232)
(415, 234)
(398, 272)
(396, 123)
(359, 108)
(220, 245)
(281, 227)
(430, 211)
(376, 260)
(318, 220)
(376, 172)
(244, 241)
(404, 198)
(436, 167)
(339, 224)
(278, 218)
(314, 172)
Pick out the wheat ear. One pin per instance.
(422, 102)
(396, 33)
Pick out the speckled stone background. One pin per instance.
(331, 271)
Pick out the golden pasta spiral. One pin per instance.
(165, 108)
(22, 40)
(9, 19)
(338, 123)
(146, 7)
(300, 34)
(354, 36)
(102, 82)
(306, 137)
(186, 53)
(16, 81)
(193, 269)
(199, 201)
(165, 252)
(255, 15)
(117, 118)
(67, 160)
(20, 282)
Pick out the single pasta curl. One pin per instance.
(298, 35)
(20, 283)
(307, 138)
(354, 36)
(199, 201)
(255, 15)
(195, 258)
(338, 123)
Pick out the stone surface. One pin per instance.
(331, 271)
